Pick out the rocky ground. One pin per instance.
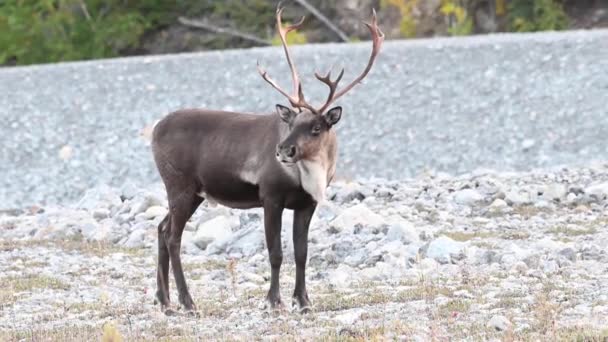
(483, 256)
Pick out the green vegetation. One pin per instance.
(538, 15)
(47, 31)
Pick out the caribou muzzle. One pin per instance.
(286, 153)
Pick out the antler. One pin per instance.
(297, 99)
(377, 39)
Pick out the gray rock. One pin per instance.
(246, 242)
(568, 253)
(402, 231)
(499, 323)
(100, 196)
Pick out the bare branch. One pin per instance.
(222, 30)
(323, 19)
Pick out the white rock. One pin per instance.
(444, 250)
(553, 192)
(467, 197)
(155, 211)
(526, 144)
(218, 228)
(359, 214)
(499, 323)
(518, 197)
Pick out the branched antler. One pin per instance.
(297, 98)
(377, 39)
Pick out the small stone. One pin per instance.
(499, 323)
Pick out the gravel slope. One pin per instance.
(486, 256)
(507, 102)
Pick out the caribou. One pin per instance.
(274, 161)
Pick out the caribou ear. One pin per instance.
(285, 113)
(333, 115)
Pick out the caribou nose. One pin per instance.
(291, 151)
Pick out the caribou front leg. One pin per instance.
(301, 223)
(272, 228)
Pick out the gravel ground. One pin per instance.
(484, 256)
(508, 102)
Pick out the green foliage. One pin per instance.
(40, 31)
(407, 25)
(462, 23)
(537, 15)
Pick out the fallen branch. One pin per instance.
(222, 30)
(323, 19)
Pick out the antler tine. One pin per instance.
(283, 35)
(297, 98)
(377, 39)
(267, 78)
(333, 85)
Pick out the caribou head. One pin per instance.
(310, 134)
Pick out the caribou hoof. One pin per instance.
(303, 307)
(170, 312)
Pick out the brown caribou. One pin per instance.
(274, 161)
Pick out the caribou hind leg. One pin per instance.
(162, 271)
(182, 205)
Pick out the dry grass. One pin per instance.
(97, 248)
(569, 231)
(466, 236)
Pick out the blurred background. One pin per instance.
(45, 31)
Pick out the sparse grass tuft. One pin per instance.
(31, 282)
(567, 231)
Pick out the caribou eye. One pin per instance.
(316, 130)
